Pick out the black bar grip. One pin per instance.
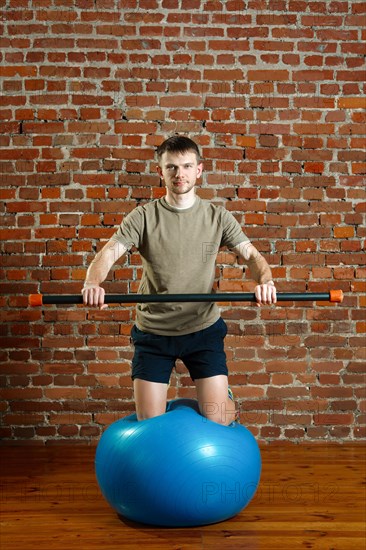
(41, 299)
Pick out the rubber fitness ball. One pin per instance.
(177, 469)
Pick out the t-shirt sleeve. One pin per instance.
(130, 232)
(232, 232)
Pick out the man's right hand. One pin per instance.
(93, 295)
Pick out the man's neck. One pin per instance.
(180, 201)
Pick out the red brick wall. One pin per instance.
(272, 91)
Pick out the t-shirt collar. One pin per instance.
(165, 203)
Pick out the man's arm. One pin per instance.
(93, 293)
(265, 291)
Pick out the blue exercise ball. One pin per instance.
(177, 469)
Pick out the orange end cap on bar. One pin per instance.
(35, 300)
(336, 296)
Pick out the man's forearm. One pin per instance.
(260, 270)
(97, 271)
(265, 291)
(93, 293)
(103, 262)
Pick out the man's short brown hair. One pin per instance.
(178, 144)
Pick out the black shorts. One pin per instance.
(202, 352)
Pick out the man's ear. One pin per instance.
(199, 169)
(159, 171)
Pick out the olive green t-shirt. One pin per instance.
(178, 248)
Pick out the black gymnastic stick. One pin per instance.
(41, 299)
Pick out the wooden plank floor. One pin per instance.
(309, 497)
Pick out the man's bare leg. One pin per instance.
(213, 399)
(150, 398)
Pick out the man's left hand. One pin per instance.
(266, 294)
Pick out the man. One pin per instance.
(178, 237)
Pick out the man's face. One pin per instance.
(179, 172)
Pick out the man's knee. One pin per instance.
(221, 413)
(144, 413)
